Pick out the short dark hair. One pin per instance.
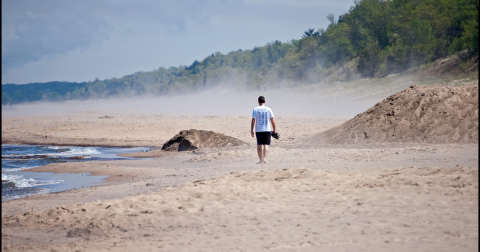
(261, 99)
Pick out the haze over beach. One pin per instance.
(376, 103)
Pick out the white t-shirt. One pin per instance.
(262, 115)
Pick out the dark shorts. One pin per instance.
(263, 137)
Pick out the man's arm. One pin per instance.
(251, 128)
(273, 125)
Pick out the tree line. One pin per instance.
(374, 38)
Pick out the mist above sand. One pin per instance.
(328, 100)
(215, 102)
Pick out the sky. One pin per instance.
(76, 41)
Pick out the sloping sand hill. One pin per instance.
(416, 114)
(187, 140)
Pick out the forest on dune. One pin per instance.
(375, 38)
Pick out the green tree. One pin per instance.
(397, 59)
(335, 45)
(310, 33)
(424, 41)
(369, 60)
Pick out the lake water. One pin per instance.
(17, 183)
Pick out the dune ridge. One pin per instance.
(417, 114)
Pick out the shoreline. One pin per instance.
(79, 145)
(62, 143)
(64, 171)
(105, 168)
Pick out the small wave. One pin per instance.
(79, 157)
(32, 182)
(82, 151)
(10, 177)
(70, 151)
(49, 147)
(44, 157)
(17, 169)
(20, 182)
(25, 156)
(53, 147)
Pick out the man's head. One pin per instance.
(261, 100)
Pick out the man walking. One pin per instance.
(262, 118)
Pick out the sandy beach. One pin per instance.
(240, 126)
(395, 196)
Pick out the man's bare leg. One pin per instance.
(259, 151)
(265, 152)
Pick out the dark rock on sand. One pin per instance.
(187, 140)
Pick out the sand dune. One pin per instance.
(416, 114)
(428, 209)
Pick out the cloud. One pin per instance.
(35, 29)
